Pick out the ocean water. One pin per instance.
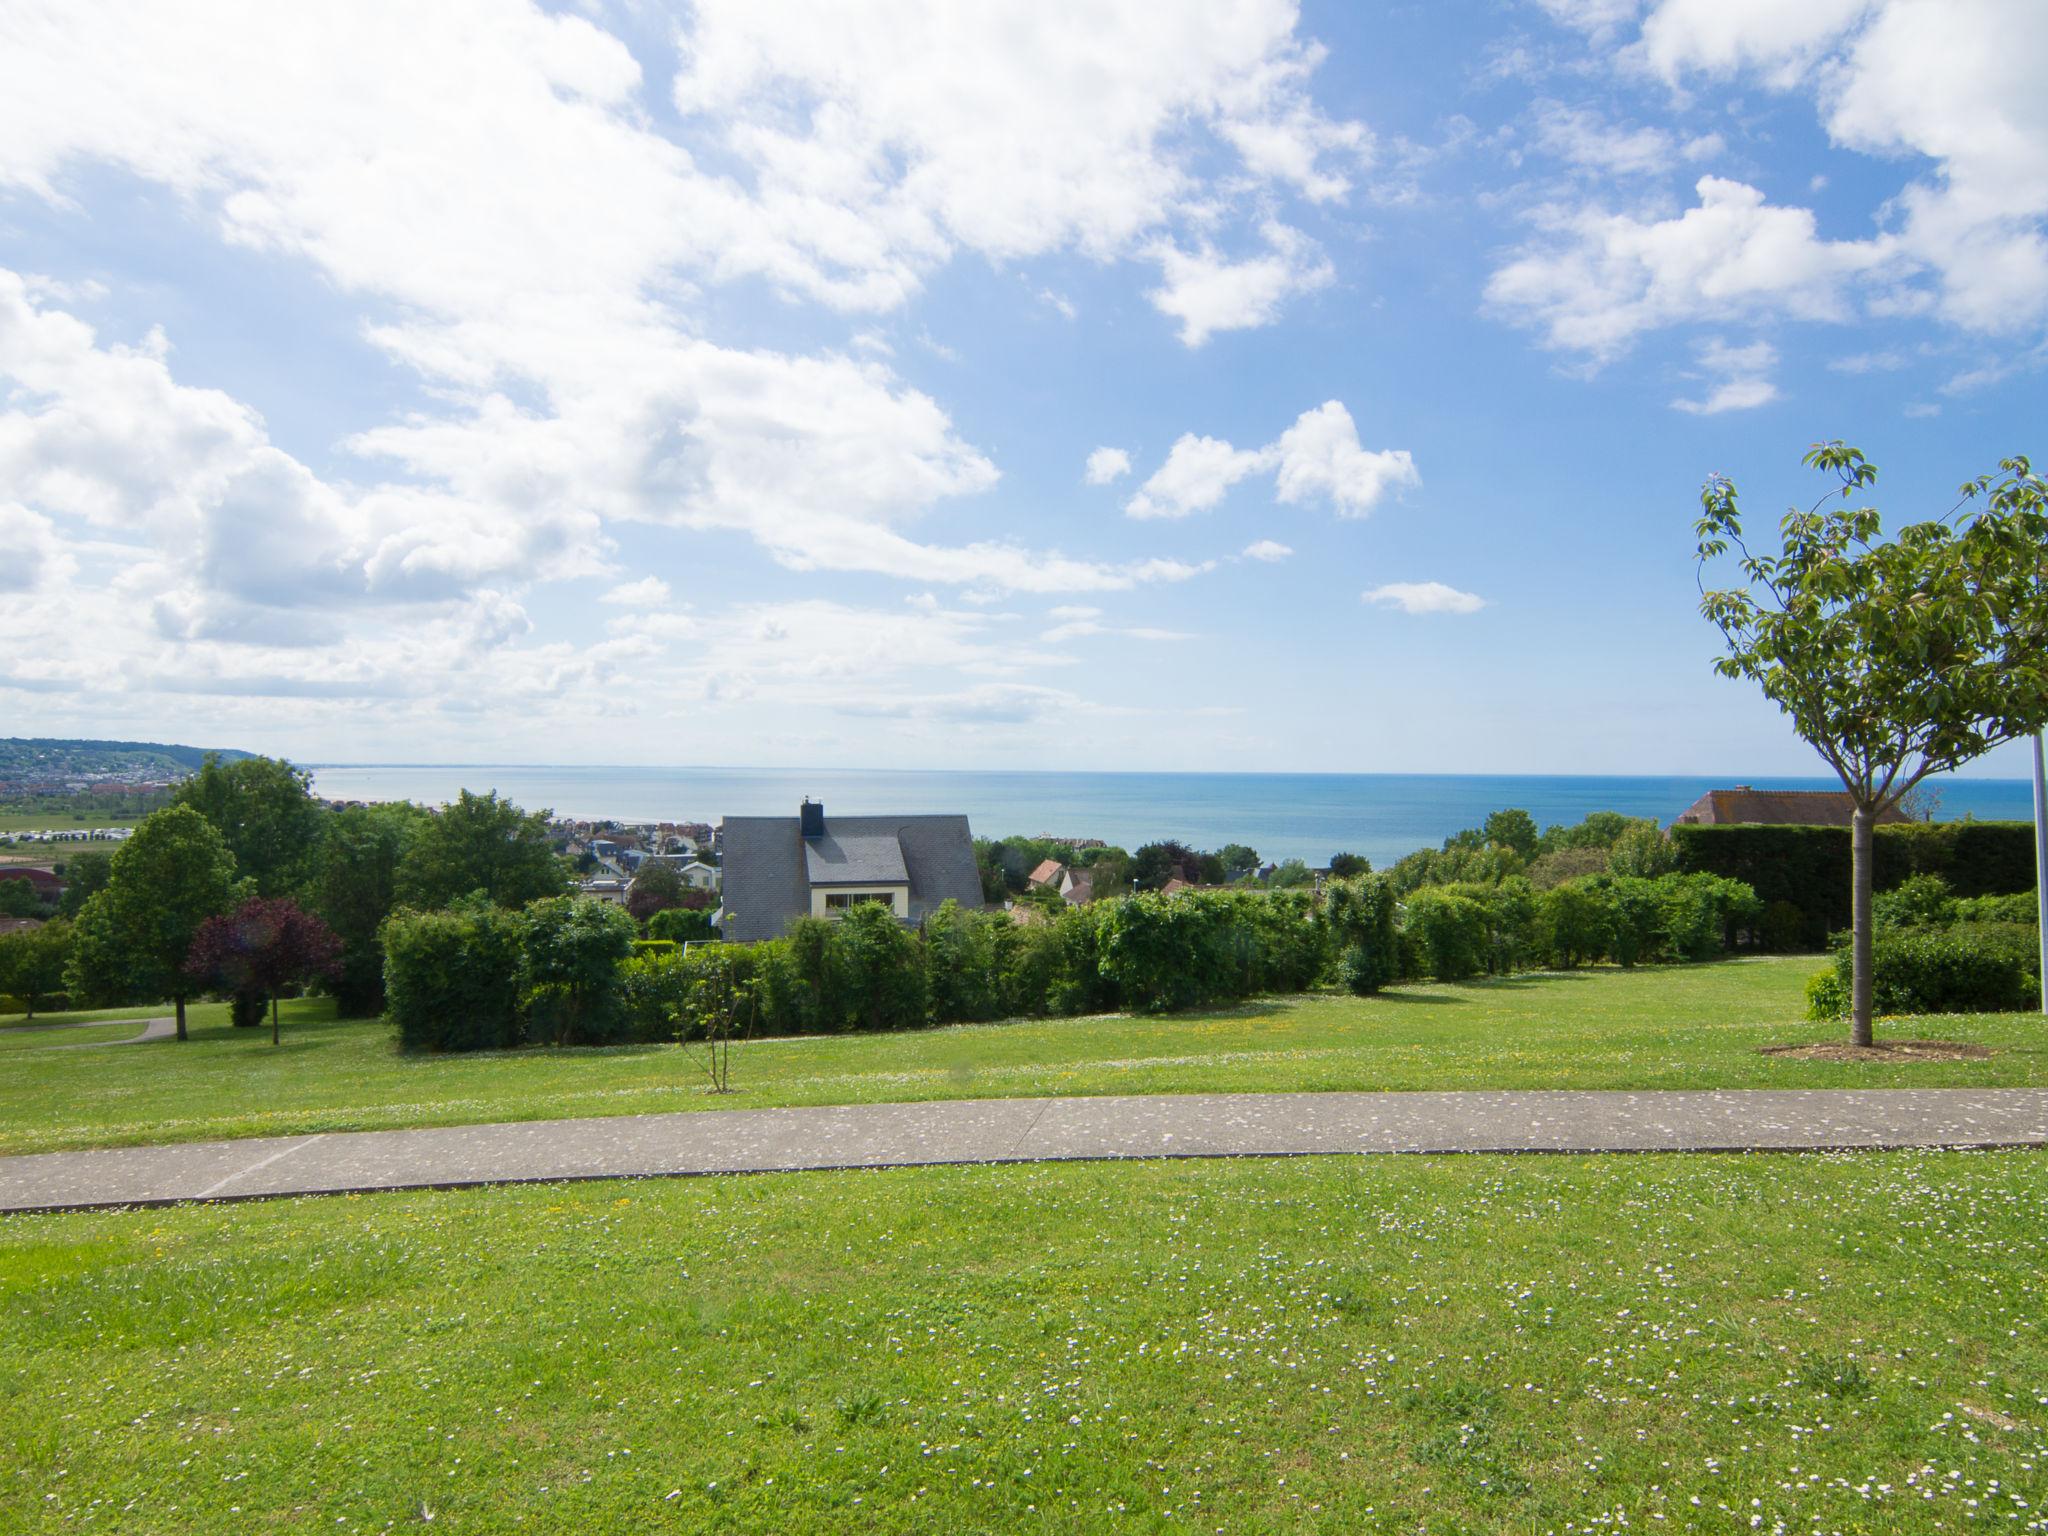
(1283, 815)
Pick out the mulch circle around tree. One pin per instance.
(1883, 1050)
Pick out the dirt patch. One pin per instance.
(1883, 1050)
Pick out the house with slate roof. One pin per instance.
(1776, 808)
(780, 868)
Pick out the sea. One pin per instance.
(1283, 815)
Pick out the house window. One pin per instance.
(846, 901)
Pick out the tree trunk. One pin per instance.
(181, 1017)
(273, 1018)
(1861, 852)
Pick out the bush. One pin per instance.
(1452, 930)
(1808, 867)
(1578, 922)
(1827, 997)
(1361, 923)
(1964, 968)
(452, 977)
(964, 954)
(1782, 929)
(680, 925)
(1561, 864)
(2019, 907)
(573, 950)
(874, 972)
(1920, 901)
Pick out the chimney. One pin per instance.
(812, 818)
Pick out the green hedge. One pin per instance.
(1963, 968)
(452, 978)
(1809, 867)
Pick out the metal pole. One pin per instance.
(2041, 854)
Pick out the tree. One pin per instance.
(264, 809)
(1349, 866)
(680, 925)
(1895, 660)
(32, 961)
(480, 843)
(1290, 875)
(355, 887)
(574, 947)
(656, 887)
(1513, 829)
(1239, 860)
(18, 899)
(1156, 863)
(262, 947)
(84, 873)
(132, 938)
(1643, 852)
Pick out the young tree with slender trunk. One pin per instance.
(262, 947)
(1895, 659)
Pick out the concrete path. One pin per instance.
(152, 1029)
(1020, 1130)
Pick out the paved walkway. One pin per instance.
(152, 1029)
(1023, 1130)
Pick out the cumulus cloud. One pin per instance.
(1106, 465)
(1596, 280)
(1267, 550)
(1424, 597)
(1739, 378)
(1208, 293)
(1319, 457)
(648, 592)
(29, 549)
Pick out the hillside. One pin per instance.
(48, 757)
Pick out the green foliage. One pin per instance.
(1827, 997)
(656, 888)
(1963, 968)
(1361, 913)
(1600, 829)
(355, 887)
(33, 960)
(965, 957)
(452, 977)
(1918, 901)
(1562, 864)
(1452, 928)
(1156, 863)
(574, 946)
(874, 975)
(1240, 859)
(132, 937)
(680, 924)
(85, 874)
(1809, 867)
(480, 843)
(18, 899)
(2019, 907)
(1642, 852)
(1514, 830)
(1578, 922)
(265, 812)
(1291, 875)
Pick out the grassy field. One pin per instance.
(1717, 1344)
(1684, 1027)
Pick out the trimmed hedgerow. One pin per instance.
(1809, 867)
(452, 977)
(1961, 968)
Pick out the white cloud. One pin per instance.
(648, 592)
(29, 549)
(1586, 139)
(1319, 456)
(1723, 35)
(1198, 473)
(1208, 293)
(1267, 550)
(1598, 18)
(1424, 597)
(1600, 279)
(1107, 464)
(1739, 376)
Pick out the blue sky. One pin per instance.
(1210, 386)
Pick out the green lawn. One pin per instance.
(1681, 1027)
(1716, 1343)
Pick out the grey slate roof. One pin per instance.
(769, 871)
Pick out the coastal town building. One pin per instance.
(1775, 807)
(780, 868)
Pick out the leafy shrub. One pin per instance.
(1578, 922)
(1642, 852)
(963, 956)
(1636, 930)
(1964, 968)
(2019, 907)
(1360, 914)
(1452, 929)
(679, 925)
(1552, 869)
(1782, 928)
(452, 977)
(574, 947)
(1921, 901)
(874, 975)
(1827, 996)
(1164, 953)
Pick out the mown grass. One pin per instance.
(1678, 1027)
(1773, 1343)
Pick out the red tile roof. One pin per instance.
(1775, 807)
